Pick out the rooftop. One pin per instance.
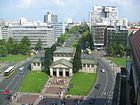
(63, 62)
(88, 61)
(64, 50)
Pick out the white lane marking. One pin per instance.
(12, 80)
(106, 81)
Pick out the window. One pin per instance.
(92, 65)
(38, 64)
(34, 64)
(88, 65)
(84, 65)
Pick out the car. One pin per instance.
(97, 86)
(103, 70)
(6, 91)
(21, 68)
(91, 101)
(9, 97)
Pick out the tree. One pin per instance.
(128, 51)
(26, 41)
(24, 49)
(3, 51)
(25, 45)
(16, 47)
(48, 59)
(38, 45)
(10, 45)
(2, 42)
(77, 64)
(121, 50)
(53, 47)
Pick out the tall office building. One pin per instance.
(50, 18)
(58, 29)
(98, 36)
(106, 15)
(34, 33)
(118, 35)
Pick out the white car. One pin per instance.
(21, 68)
(103, 70)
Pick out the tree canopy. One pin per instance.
(38, 45)
(77, 64)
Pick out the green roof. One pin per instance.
(65, 50)
(63, 62)
(38, 60)
(88, 61)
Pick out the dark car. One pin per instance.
(91, 101)
(97, 86)
(8, 97)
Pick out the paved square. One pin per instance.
(27, 99)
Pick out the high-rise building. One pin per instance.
(34, 33)
(100, 12)
(106, 15)
(50, 18)
(58, 29)
(23, 20)
(98, 36)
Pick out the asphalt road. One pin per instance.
(105, 93)
(12, 83)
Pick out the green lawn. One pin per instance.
(120, 61)
(13, 58)
(34, 82)
(82, 83)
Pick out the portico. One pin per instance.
(61, 68)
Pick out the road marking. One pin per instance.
(12, 81)
(106, 80)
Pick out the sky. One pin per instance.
(78, 10)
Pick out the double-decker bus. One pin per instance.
(9, 72)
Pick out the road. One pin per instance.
(106, 79)
(12, 83)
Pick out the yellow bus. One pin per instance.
(89, 51)
(9, 72)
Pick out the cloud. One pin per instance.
(58, 2)
(120, 2)
(24, 3)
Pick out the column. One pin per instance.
(57, 72)
(64, 72)
(70, 72)
(51, 72)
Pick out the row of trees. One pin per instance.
(118, 50)
(12, 46)
(73, 31)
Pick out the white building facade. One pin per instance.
(106, 15)
(34, 33)
(58, 29)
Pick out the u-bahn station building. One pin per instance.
(62, 65)
(134, 73)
